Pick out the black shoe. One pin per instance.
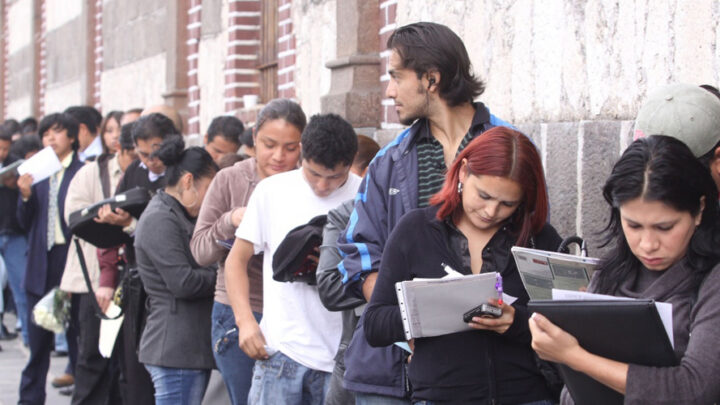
(67, 391)
(6, 335)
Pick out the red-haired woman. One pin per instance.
(494, 197)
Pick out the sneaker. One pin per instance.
(67, 391)
(64, 380)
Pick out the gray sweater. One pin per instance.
(696, 330)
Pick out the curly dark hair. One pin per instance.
(328, 140)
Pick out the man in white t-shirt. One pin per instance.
(296, 341)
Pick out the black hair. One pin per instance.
(178, 160)
(5, 136)
(61, 121)
(29, 125)
(247, 138)
(226, 126)
(153, 125)
(12, 126)
(134, 111)
(282, 109)
(26, 144)
(112, 115)
(659, 168)
(426, 47)
(126, 139)
(328, 140)
(84, 114)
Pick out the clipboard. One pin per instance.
(629, 331)
(434, 307)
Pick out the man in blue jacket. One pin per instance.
(433, 88)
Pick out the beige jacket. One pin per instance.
(85, 189)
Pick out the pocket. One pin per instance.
(227, 340)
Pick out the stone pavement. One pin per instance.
(12, 360)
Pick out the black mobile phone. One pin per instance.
(483, 310)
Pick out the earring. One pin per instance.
(460, 186)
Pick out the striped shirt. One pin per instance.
(431, 162)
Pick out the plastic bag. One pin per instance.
(52, 312)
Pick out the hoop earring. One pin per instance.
(460, 187)
(195, 201)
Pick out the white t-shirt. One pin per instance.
(294, 320)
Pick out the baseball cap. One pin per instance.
(684, 111)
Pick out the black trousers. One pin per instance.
(96, 378)
(34, 375)
(136, 386)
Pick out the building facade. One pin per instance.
(569, 73)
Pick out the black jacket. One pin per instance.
(9, 224)
(464, 367)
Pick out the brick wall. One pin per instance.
(194, 28)
(286, 51)
(241, 74)
(388, 12)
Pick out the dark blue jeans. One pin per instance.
(234, 365)
(13, 249)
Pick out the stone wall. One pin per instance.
(65, 59)
(315, 35)
(20, 57)
(134, 53)
(212, 59)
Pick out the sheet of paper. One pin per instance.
(109, 329)
(664, 308)
(41, 166)
(10, 170)
(541, 271)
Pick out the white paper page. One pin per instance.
(664, 308)
(41, 166)
(109, 329)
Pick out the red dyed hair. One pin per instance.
(501, 152)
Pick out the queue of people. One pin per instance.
(201, 285)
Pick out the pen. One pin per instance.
(499, 288)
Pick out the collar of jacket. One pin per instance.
(409, 137)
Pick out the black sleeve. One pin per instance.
(383, 323)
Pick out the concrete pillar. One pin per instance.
(355, 81)
(176, 70)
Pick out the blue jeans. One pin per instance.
(372, 399)
(13, 249)
(178, 386)
(234, 365)
(281, 380)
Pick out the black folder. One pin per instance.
(82, 222)
(627, 331)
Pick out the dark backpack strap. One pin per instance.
(81, 257)
(105, 175)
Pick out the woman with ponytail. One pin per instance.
(175, 344)
(493, 198)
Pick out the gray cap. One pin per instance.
(683, 111)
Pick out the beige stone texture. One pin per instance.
(59, 12)
(211, 73)
(315, 35)
(20, 18)
(60, 97)
(572, 60)
(137, 84)
(19, 108)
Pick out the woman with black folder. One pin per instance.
(665, 229)
(493, 197)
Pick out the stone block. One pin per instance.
(385, 136)
(21, 74)
(211, 17)
(63, 42)
(561, 175)
(600, 148)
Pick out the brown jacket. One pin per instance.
(230, 189)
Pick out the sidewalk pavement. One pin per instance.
(12, 361)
